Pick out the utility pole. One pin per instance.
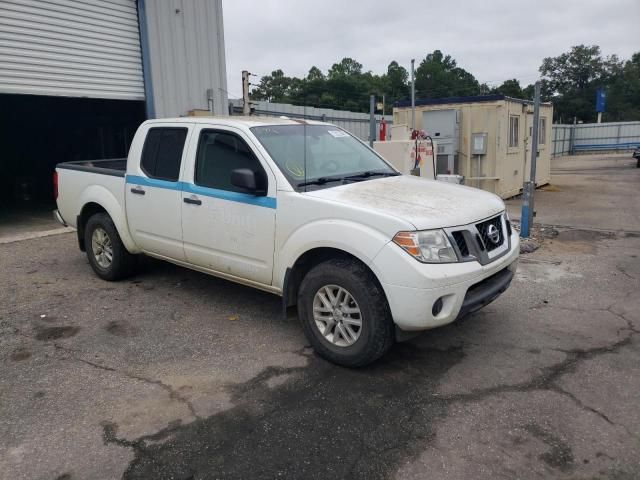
(246, 106)
(413, 94)
(372, 120)
(526, 217)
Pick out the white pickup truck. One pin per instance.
(303, 210)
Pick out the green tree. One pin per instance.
(510, 88)
(273, 88)
(438, 76)
(572, 78)
(395, 83)
(315, 74)
(623, 92)
(345, 68)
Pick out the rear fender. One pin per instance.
(103, 197)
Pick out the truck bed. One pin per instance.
(111, 166)
(101, 180)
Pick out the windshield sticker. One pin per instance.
(338, 133)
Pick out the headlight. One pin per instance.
(427, 246)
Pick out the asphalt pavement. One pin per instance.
(175, 374)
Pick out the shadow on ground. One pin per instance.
(318, 421)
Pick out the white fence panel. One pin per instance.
(595, 137)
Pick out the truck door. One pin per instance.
(224, 228)
(153, 191)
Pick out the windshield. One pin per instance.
(320, 155)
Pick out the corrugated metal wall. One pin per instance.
(186, 55)
(354, 122)
(77, 48)
(561, 139)
(594, 137)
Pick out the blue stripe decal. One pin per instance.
(153, 182)
(608, 145)
(267, 202)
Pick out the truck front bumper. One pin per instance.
(413, 288)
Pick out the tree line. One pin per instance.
(569, 80)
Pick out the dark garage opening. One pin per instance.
(38, 132)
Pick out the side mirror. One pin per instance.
(245, 179)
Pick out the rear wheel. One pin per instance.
(107, 254)
(344, 313)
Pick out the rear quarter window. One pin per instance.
(162, 152)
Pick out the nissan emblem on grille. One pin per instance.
(493, 233)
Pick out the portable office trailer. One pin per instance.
(487, 139)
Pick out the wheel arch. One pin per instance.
(97, 199)
(87, 211)
(305, 262)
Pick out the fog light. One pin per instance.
(437, 307)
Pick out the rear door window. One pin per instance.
(162, 153)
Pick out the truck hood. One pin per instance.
(424, 203)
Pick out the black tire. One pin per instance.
(122, 263)
(377, 331)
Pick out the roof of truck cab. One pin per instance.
(238, 121)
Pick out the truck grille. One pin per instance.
(491, 233)
(484, 241)
(458, 237)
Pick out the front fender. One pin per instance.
(107, 200)
(361, 241)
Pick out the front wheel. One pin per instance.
(344, 313)
(107, 254)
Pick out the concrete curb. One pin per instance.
(31, 235)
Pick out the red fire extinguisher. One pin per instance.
(383, 130)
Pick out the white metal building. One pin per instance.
(92, 70)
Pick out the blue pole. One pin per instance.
(526, 217)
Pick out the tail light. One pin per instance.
(55, 185)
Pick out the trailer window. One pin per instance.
(542, 131)
(162, 153)
(514, 129)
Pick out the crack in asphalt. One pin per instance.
(265, 406)
(213, 446)
(353, 417)
(399, 432)
(550, 375)
(622, 270)
(173, 395)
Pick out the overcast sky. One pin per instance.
(493, 39)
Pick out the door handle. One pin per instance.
(137, 191)
(192, 201)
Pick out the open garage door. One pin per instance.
(75, 48)
(38, 132)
